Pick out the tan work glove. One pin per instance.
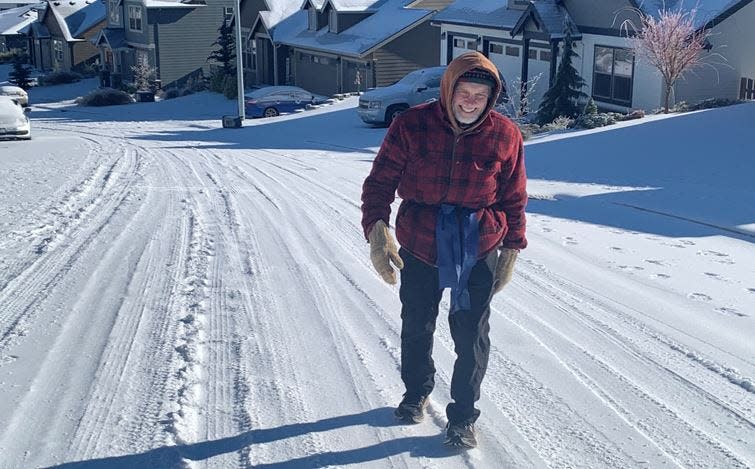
(383, 250)
(504, 268)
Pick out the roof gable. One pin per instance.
(76, 17)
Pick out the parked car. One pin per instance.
(16, 93)
(381, 105)
(14, 122)
(271, 101)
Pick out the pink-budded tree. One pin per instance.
(669, 42)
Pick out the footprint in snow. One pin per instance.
(568, 240)
(616, 248)
(660, 276)
(699, 297)
(631, 267)
(720, 257)
(656, 262)
(546, 230)
(731, 312)
(751, 290)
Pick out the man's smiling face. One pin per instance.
(469, 101)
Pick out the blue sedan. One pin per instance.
(271, 101)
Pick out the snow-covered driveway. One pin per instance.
(176, 293)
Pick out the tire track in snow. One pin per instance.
(657, 420)
(22, 295)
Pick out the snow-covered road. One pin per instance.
(173, 293)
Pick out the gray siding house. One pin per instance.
(524, 39)
(60, 38)
(337, 46)
(264, 63)
(174, 37)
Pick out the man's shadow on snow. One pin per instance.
(171, 456)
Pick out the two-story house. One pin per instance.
(60, 38)
(175, 37)
(524, 39)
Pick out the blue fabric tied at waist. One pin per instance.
(457, 235)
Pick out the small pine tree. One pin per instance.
(590, 108)
(21, 74)
(562, 98)
(225, 53)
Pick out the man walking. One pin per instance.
(459, 168)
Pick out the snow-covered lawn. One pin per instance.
(172, 293)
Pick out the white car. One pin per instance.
(15, 93)
(14, 122)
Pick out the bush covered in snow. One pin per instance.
(105, 97)
(59, 78)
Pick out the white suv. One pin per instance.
(381, 105)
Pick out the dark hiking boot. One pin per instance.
(461, 435)
(411, 409)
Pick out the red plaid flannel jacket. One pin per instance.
(429, 165)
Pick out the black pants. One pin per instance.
(420, 298)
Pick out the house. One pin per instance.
(525, 38)
(60, 38)
(174, 37)
(337, 46)
(263, 61)
(15, 23)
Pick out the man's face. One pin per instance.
(469, 101)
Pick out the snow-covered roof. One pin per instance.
(354, 5)
(317, 3)
(76, 17)
(18, 20)
(277, 11)
(489, 13)
(707, 10)
(390, 19)
(173, 3)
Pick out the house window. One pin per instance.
(57, 47)
(472, 44)
(312, 19)
(228, 13)
(321, 60)
(142, 58)
(135, 18)
(545, 55)
(114, 12)
(496, 48)
(333, 21)
(512, 51)
(250, 55)
(613, 72)
(532, 54)
(746, 88)
(460, 43)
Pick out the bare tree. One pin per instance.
(671, 43)
(519, 104)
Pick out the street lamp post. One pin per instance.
(239, 62)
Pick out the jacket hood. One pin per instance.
(458, 66)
